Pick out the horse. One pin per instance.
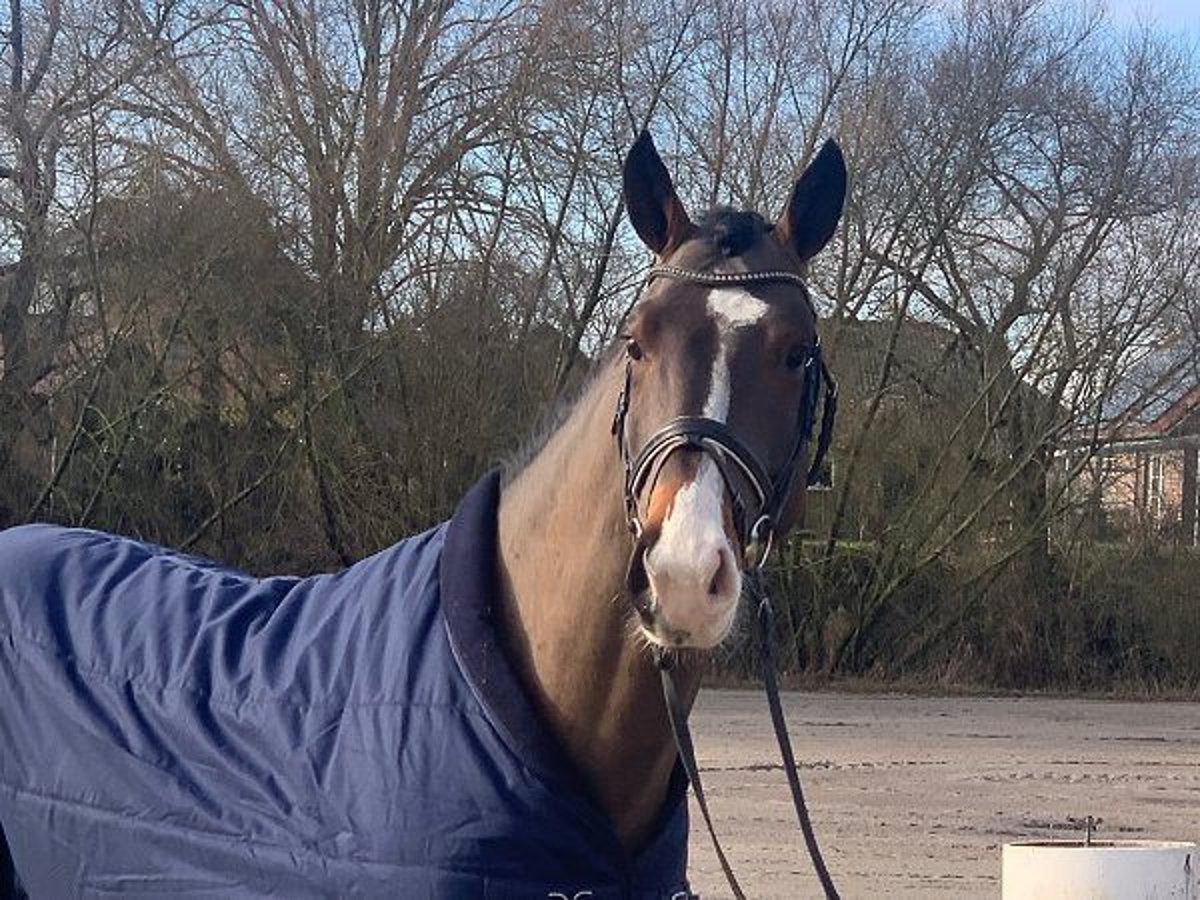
(474, 711)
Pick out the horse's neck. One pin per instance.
(563, 552)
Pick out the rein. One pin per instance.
(756, 523)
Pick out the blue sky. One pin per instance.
(1176, 15)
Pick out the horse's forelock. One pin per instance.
(732, 231)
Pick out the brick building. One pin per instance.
(1145, 476)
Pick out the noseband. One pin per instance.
(769, 495)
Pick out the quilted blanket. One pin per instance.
(169, 727)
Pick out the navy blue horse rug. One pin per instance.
(172, 728)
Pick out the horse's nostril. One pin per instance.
(719, 585)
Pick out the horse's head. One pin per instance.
(722, 379)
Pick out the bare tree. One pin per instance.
(64, 64)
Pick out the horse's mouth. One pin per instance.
(658, 633)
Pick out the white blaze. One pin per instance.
(681, 562)
(731, 309)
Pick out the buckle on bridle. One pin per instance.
(759, 542)
(635, 526)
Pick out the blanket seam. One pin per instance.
(145, 686)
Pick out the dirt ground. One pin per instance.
(913, 796)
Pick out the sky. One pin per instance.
(1175, 15)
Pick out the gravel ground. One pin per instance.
(913, 796)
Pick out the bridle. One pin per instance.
(726, 449)
(756, 522)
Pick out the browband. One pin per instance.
(714, 279)
(681, 274)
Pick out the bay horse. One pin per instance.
(475, 711)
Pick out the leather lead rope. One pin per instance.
(687, 755)
(765, 617)
(766, 637)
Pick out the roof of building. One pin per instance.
(1156, 383)
(1176, 414)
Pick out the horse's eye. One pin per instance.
(634, 349)
(796, 358)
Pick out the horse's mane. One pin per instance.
(553, 418)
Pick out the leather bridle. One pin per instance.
(756, 522)
(770, 493)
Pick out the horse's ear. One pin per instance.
(813, 210)
(655, 211)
